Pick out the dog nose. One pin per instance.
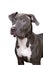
(13, 29)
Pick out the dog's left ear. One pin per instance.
(33, 19)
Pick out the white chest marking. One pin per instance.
(23, 50)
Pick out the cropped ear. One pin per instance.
(33, 19)
(12, 16)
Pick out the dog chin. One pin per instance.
(21, 37)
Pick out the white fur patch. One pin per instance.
(13, 25)
(23, 50)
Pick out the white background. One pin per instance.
(7, 42)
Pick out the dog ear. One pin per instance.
(12, 16)
(33, 19)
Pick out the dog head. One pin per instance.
(22, 24)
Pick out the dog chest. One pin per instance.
(23, 50)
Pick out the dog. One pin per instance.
(29, 46)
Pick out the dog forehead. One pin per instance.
(22, 16)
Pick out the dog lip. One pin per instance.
(13, 33)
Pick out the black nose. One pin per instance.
(13, 29)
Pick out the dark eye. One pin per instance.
(15, 18)
(24, 20)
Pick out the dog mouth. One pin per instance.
(16, 35)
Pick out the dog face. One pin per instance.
(22, 24)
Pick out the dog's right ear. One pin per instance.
(12, 16)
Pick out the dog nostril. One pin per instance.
(13, 29)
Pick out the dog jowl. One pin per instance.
(29, 46)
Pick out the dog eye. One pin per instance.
(15, 18)
(24, 20)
